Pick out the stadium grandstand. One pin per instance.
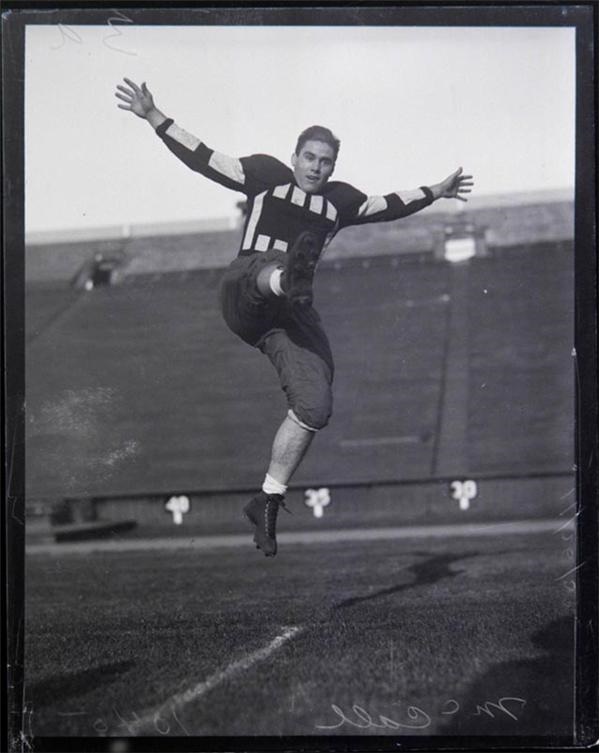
(135, 387)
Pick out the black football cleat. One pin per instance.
(262, 512)
(300, 268)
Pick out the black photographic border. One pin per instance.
(583, 16)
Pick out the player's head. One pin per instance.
(314, 159)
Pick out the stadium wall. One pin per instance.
(375, 505)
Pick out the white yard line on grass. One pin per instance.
(168, 710)
(206, 543)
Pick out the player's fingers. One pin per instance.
(135, 87)
(123, 97)
(460, 198)
(124, 89)
(124, 107)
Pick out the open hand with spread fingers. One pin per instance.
(454, 186)
(137, 99)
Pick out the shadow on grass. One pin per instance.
(60, 687)
(545, 685)
(426, 573)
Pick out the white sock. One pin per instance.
(271, 486)
(275, 284)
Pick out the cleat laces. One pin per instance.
(272, 506)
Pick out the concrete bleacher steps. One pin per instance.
(44, 305)
(521, 365)
(141, 389)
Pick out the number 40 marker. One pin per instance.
(178, 506)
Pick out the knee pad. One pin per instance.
(315, 416)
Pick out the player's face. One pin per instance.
(313, 166)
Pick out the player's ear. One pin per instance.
(294, 159)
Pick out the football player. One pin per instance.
(266, 292)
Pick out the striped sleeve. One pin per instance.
(228, 171)
(392, 206)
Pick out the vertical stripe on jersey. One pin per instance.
(281, 192)
(406, 197)
(298, 196)
(316, 204)
(228, 166)
(253, 220)
(183, 137)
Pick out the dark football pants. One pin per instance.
(293, 340)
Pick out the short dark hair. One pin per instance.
(318, 133)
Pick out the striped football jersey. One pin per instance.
(278, 210)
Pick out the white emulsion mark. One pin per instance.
(178, 701)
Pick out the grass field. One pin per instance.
(430, 634)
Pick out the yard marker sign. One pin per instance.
(178, 506)
(318, 499)
(464, 492)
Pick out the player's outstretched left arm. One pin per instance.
(453, 187)
(400, 204)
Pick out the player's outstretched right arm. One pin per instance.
(221, 168)
(139, 101)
